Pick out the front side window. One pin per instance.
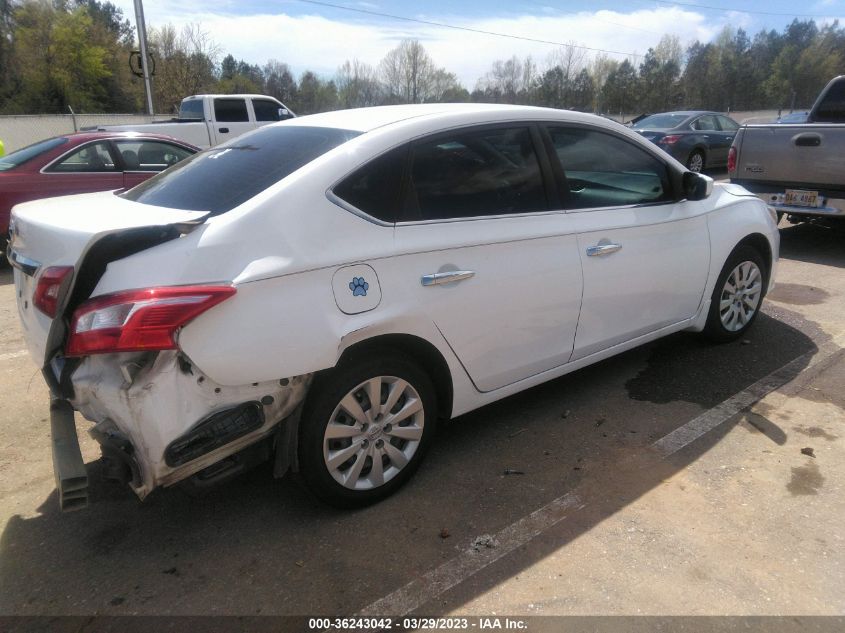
(728, 125)
(230, 111)
(141, 155)
(469, 174)
(832, 107)
(221, 178)
(191, 109)
(94, 157)
(603, 170)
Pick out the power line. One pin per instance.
(734, 10)
(465, 28)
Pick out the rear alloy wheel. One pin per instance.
(365, 430)
(737, 296)
(695, 162)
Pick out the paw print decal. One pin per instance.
(359, 287)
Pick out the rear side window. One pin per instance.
(705, 123)
(230, 111)
(148, 155)
(603, 170)
(221, 178)
(93, 157)
(375, 188)
(469, 174)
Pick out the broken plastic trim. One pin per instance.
(215, 431)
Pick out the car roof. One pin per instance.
(82, 137)
(368, 119)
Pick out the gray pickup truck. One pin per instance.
(798, 169)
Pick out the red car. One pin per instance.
(82, 163)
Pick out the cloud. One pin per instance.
(313, 42)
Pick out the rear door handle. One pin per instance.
(224, 130)
(600, 250)
(807, 140)
(438, 279)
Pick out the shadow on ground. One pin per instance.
(258, 546)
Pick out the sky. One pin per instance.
(313, 35)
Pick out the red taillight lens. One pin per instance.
(50, 289)
(670, 139)
(732, 159)
(139, 320)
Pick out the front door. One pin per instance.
(645, 257)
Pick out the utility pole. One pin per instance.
(145, 66)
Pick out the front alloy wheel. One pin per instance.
(365, 428)
(695, 162)
(741, 295)
(737, 296)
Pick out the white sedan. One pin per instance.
(322, 291)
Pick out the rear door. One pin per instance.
(645, 257)
(487, 255)
(231, 118)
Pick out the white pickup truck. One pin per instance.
(207, 120)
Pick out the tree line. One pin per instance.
(61, 53)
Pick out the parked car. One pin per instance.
(207, 120)
(321, 291)
(698, 139)
(82, 163)
(798, 168)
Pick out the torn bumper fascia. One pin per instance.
(153, 398)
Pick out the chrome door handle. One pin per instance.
(603, 249)
(438, 279)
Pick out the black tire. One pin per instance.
(323, 406)
(715, 328)
(695, 161)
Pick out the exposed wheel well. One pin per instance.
(419, 350)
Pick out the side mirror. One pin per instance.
(283, 112)
(696, 186)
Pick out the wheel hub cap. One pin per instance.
(740, 296)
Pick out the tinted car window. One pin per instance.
(832, 108)
(603, 170)
(375, 188)
(267, 110)
(142, 155)
(227, 175)
(191, 109)
(728, 125)
(29, 152)
(487, 172)
(230, 110)
(94, 157)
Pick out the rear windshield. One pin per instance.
(661, 121)
(221, 178)
(28, 153)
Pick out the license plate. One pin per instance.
(801, 198)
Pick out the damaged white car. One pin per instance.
(321, 291)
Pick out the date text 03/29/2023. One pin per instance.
(417, 624)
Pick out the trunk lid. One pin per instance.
(84, 231)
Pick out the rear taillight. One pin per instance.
(732, 159)
(139, 320)
(52, 285)
(670, 139)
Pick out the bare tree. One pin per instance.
(509, 81)
(358, 85)
(185, 63)
(408, 71)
